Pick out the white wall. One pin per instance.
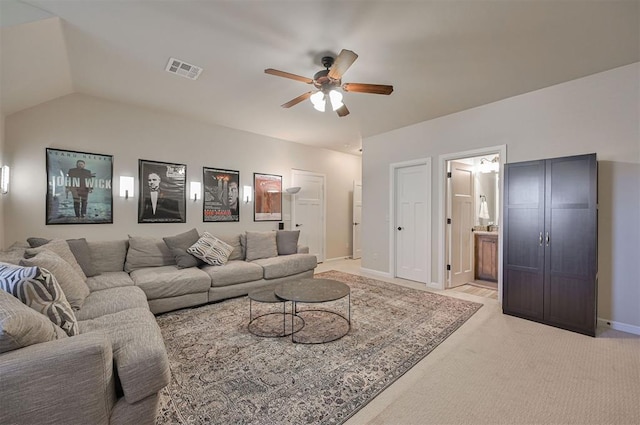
(599, 113)
(2, 162)
(89, 124)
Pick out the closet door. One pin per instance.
(523, 259)
(570, 243)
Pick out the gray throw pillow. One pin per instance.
(238, 249)
(179, 244)
(287, 241)
(21, 326)
(147, 252)
(39, 289)
(60, 247)
(261, 245)
(80, 249)
(74, 287)
(36, 242)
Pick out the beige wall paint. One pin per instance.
(2, 197)
(89, 124)
(597, 114)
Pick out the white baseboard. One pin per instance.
(376, 272)
(624, 327)
(327, 260)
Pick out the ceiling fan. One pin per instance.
(328, 81)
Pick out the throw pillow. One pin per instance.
(36, 242)
(75, 289)
(234, 241)
(60, 247)
(261, 245)
(179, 244)
(80, 250)
(147, 252)
(211, 250)
(287, 241)
(21, 326)
(39, 289)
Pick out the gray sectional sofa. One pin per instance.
(113, 366)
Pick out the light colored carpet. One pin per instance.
(223, 374)
(498, 369)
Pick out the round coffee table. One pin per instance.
(267, 295)
(314, 291)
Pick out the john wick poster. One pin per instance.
(79, 189)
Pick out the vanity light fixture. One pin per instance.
(247, 192)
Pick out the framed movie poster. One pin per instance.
(221, 195)
(267, 198)
(162, 192)
(78, 187)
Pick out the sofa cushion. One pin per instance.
(61, 248)
(238, 249)
(170, 281)
(80, 250)
(74, 287)
(21, 326)
(147, 252)
(211, 250)
(38, 289)
(113, 300)
(178, 246)
(139, 353)
(287, 265)
(109, 256)
(261, 245)
(108, 280)
(233, 272)
(13, 254)
(287, 241)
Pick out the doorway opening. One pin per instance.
(472, 205)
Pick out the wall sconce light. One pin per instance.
(195, 189)
(4, 179)
(247, 193)
(126, 187)
(293, 190)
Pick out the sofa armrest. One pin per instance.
(303, 249)
(62, 381)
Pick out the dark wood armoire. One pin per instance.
(550, 234)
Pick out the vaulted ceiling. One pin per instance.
(441, 56)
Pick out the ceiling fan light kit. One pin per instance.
(328, 82)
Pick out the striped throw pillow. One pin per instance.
(211, 250)
(39, 289)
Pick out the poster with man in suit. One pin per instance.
(162, 189)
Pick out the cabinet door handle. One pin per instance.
(540, 239)
(548, 238)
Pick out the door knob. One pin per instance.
(400, 228)
(298, 225)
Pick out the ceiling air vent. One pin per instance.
(183, 69)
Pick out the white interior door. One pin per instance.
(462, 219)
(357, 219)
(308, 213)
(412, 208)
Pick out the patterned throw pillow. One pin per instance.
(39, 289)
(211, 250)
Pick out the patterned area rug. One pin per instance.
(224, 374)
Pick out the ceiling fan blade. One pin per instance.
(345, 59)
(277, 73)
(297, 100)
(367, 88)
(342, 111)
